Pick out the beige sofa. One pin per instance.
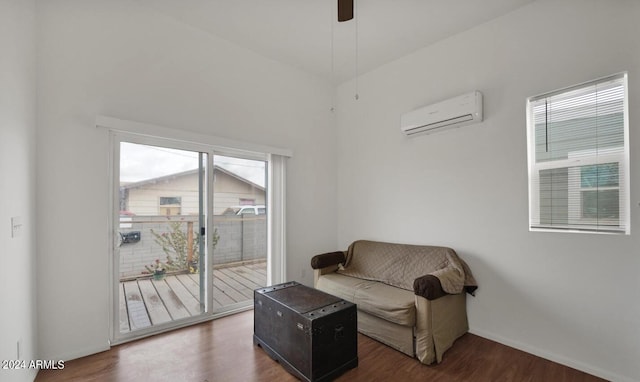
(410, 297)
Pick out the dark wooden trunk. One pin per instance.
(311, 333)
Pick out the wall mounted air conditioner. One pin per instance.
(455, 112)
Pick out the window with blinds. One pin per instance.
(579, 158)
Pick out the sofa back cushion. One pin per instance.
(400, 264)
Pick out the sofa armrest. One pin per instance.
(429, 287)
(327, 259)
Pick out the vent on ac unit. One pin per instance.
(455, 112)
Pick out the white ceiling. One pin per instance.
(299, 32)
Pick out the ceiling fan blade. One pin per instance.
(345, 10)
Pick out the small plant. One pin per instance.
(175, 244)
(157, 269)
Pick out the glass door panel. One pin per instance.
(161, 254)
(240, 223)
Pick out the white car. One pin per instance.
(245, 210)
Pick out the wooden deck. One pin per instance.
(145, 302)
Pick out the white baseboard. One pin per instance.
(82, 352)
(605, 374)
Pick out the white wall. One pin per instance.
(119, 59)
(569, 297)
(17, 184)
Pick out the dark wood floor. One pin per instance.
(223, 350)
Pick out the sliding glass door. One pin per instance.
(191, 233)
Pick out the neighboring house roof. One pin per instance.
(187, 173)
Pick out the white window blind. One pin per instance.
(578, 158)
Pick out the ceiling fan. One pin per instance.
(345, 10)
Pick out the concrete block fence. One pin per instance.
(239, 239)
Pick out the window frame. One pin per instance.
(573, 163)
(165, 199)
(168, 208)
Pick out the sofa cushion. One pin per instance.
(341, 286)
(400, 264)
(387, 302)
(384, 301)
